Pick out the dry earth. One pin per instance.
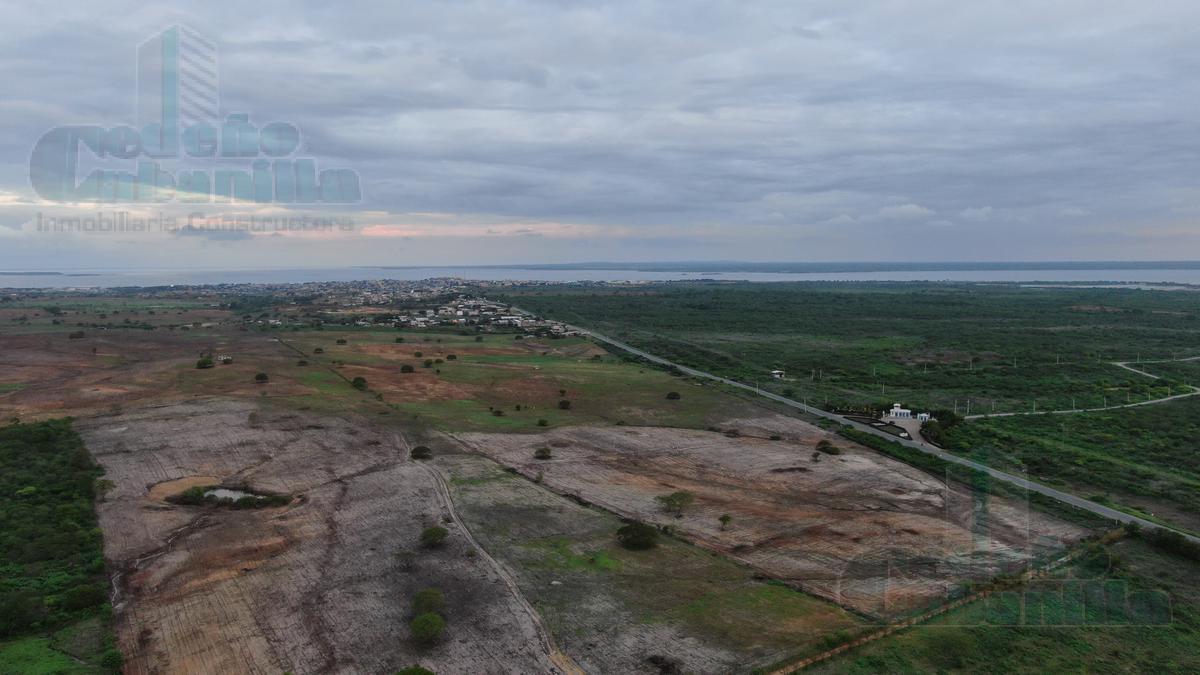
(861, 529)
(315, 586)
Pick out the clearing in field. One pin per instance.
(855, 527)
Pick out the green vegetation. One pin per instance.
(1121, 608)
(676, 502)
(427, 628)
(434, 536)
(638, 536)
(52, 582)
(421, 452)
(543, 452)
(930, 345)
(414, 670)
(1143, 457)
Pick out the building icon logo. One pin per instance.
(183, 147)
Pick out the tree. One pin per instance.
(415, 670)
(359, 383)
(429, 600)
(479, 338)
(302, 363)
(564, 404)
(318, 350)
(421, 452)
(725, 520)
(418, 354)
(543, 452)
(428, 363)
(673, 396)
(676, 502)
(427, 628)
(204, 362)
(543, 423)
(451, 357)
(77, 335)
(341, 341)
(637, 536)
(432, 537)
(261, 378)
(406, 368)
(399, 340)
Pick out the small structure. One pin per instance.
(777, 374)
(923, 417)
(900, 413)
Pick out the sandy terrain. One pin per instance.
(315, 586)
(858, 528)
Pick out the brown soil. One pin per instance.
(868, 532)
(315, 586)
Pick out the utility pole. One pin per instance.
(968, 406)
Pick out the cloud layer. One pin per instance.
(554, 131)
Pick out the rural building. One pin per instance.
(900, 413)
(777, 374)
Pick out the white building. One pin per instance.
(777, 374)
(900, 413)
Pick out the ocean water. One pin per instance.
(168, 277)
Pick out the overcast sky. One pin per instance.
(553, 131)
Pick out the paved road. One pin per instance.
(1064, 497)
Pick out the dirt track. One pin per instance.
(858, 528)
(312, 587)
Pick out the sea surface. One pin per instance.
(107, 278)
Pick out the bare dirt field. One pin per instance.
(315, 586)
(620, 611)
(861, 529)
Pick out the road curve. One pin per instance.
(1059, 495)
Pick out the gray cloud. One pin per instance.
(788, 131)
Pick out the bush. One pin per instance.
(399, 340)
(113, 660)
(19, 611)
(359, 383)
(543, 423)
(673, 396)
(676, 502)
(261, 378)
(427, 628)
(421, 452)
(432, 537)
(564, 404)
(83, 597)
(451, 357)
(828, 448)
(415, 670)
(637, 536)
(418, 354)
(302, 363)
(318, 350)
(428, 363)
(428, 600)
(77, 335)
(341, 341)
(205, 362)
(543, 453)
(406, 368)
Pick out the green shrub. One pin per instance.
(261, 378)
(421, 452)
(205, 362)
(543, 453)
(427, 628)
(359, 383)
(637, 536)
(434, 536)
